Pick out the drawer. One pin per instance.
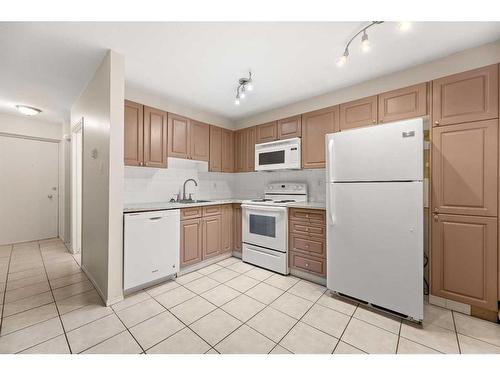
(304, 228)
(190, 213)
(211, 210)
(311, 216)
(308, 264)
(310, 245)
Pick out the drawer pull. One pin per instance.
(307, 264)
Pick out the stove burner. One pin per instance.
(261, 200)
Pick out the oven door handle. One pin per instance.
(264, 208)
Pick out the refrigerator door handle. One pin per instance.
(329, 158)
(330, 206)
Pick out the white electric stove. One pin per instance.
(265, 226)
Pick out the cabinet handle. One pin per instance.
(307, 265)
(435, 211)
(436, 122)
(374, 121)
(436, 217)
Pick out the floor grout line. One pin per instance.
(57, 307)
(456, 333)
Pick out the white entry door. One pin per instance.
(29, 194)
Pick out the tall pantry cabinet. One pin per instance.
(464, 239)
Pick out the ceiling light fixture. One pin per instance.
(244, 85)
(404, 26)
(365, 43)
(28, 111)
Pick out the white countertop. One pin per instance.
(156, 206)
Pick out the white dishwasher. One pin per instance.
(151, 246)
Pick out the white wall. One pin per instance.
(459, 62)
(171, 105)
(30, 126)
(101, 106)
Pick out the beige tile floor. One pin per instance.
(49, 306)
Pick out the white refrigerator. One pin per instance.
(375, 215)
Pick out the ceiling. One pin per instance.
(47, 65)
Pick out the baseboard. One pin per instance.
(99, 291)
(203, 263)
(307, 276)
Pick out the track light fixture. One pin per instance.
(365, 43)
(244, 85)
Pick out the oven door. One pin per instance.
(265, 226)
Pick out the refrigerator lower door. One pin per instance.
(375, 244)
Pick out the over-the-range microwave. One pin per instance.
(278, 155)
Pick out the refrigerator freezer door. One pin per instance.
(375, 244)
(390, 152)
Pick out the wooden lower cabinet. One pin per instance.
(207, 232)
(464, 263)
(227, 227)
(307, 241)
(191, 242)
(212, 233)
(237, 227)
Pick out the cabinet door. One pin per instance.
(155, 138)
(200, 141)
(240, 142)
(179, 129)
(227, 150)
(215, 149)
(237, 227)
(359, 113)
(266, 132)
(133, 151)
(290, 127)
(250, 149)
(464, 259)
(465, 97)
(465, 168)
(212, 241)
(405, 103)
(227, 227)
(315, 125)
(191, 241)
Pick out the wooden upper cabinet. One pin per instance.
(200, 141)
(179, 128)
(405, 103)
(315, 125)
(155, 138)
(212, 236)
(464, 259)
(191, 241)
(266, 132)
(361, 112)
(227, 150)
(240, 155)
(290, 127)
(465, 168)
(133, 134)
(215, 164)
(465, 97)
(250, 149)
(227, 227)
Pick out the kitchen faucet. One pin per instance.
(184, 187)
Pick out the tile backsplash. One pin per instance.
(143, 185)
